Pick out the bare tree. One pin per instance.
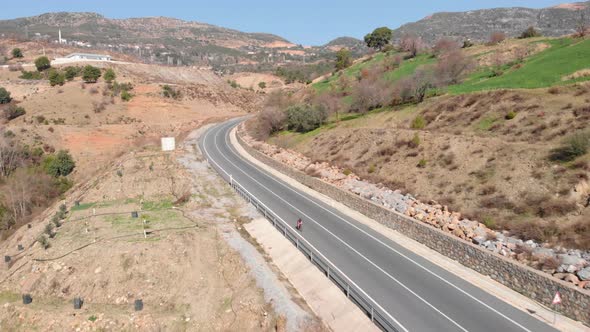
(445, 45)
(10, 157)
(332, 102)
(411, 44)
(17, 196)
(415, 87)
(497, 37)
(422, 80)
(370, 94)
(451, 68)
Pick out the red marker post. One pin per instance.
(556, 301)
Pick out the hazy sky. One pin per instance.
(300, 21)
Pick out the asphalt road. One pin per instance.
(419, 295)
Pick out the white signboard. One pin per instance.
(168, 144)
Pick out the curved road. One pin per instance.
(419, 295)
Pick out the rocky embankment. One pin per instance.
(565, 264)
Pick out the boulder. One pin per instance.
(543, 252)
(572, 260)
(459, 233)
(584, 274)
(479, 240)
(572, 278)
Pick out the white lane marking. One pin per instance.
(306, 242)
(387, 246)
(345, 243)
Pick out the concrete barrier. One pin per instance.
(534, 284)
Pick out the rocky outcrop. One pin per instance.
(477, 25)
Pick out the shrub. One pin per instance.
(91, 74)
(61, 164)
(98, 107)
(233, 84)
(170, 92)
(56, 220)
(56, 78)
(422, 163)
(42, 63)
(304, 118)
(573, 147)
(419, 122)
(71, 72)
(490, 223)
(43, 241)
(48, 229)
(415, 141)
(12, 112)
(17, 53)
(510, 115)
(63, 184)
(117, 88)
(40, 119)
(4, 96)
(530, 32)
(262, 85)
(31, 75)
(109, 75)
(126, 96)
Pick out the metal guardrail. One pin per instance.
(373, 310)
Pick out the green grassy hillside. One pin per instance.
(550, 67)
(545, 69)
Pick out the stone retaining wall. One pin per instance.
(523, 279)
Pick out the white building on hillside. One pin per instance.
(87, 56)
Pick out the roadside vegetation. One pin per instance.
(411, 107)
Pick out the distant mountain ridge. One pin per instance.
(94, 27)
(477, 25)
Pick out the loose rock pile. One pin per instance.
(569, 265)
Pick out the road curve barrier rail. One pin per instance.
(379, 316)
